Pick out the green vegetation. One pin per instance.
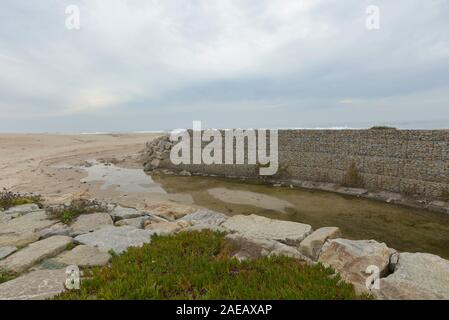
(67, 213)
(197, 265)
(5, 277)
(445, 195)
(10, 199)
(353, 179)
(383, 128)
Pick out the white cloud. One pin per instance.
(159, 57)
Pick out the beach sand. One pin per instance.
(28, 162)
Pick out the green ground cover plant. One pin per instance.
(198, 265)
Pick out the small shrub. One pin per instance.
(5, 277)
(67, 213)
(353, 179)
(198, 265)
(10, 199)
(282, 170)
(445, 195)
(383, 128)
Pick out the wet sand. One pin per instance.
(27, 160)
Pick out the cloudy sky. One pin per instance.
(142, 65)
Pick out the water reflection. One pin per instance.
(402, 228)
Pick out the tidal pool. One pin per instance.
(402, 228)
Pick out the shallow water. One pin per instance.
(405, 229)
(402, 228)
(122, 179)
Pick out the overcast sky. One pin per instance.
(142, 65)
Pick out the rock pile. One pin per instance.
(32, 244)
(157, 152)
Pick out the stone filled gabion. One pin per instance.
(408, 162)
(156, 151)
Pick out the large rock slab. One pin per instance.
(83, 256)
(36, 285)
(34, 253)
(138, 222)
(119, 213)
(419, 276)
(205, 217)
(22, 210)
(58, 229)
(265, 228)
(351, 258)
(247, 247)
(170, 210)
(6, 251)
(25, 229)
(90, 222)
(312, 244)
(167, 228)
(117, 239)
(18, 239)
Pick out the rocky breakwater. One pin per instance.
(36, 249)
(157, 153)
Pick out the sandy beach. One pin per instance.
(29, 162)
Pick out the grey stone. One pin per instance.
(58, 229)
(117, 239)
(36, 285)
(170, 211)
(247, 247)
(4, 217)
(83, 256)
(205, 216)
(22, 209)
(6, 251)
(265, 228)
(18, 239)
(202, 227)
(119, 213)
(352, 191)
(416, 276)
(133, 222)
(351, 258)
(25, 229)
(167, 228)
(312, 244)
(90, 222)
(34, 253)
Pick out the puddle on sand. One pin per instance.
(405, 229)
(250, 198)
(123, 179)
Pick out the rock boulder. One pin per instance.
(34, 253)
(264, 228)
(90, 222)
(83, 256)
(351, 258)
(36, 285)
(117, 239)
(416, 276)
(312, 244)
